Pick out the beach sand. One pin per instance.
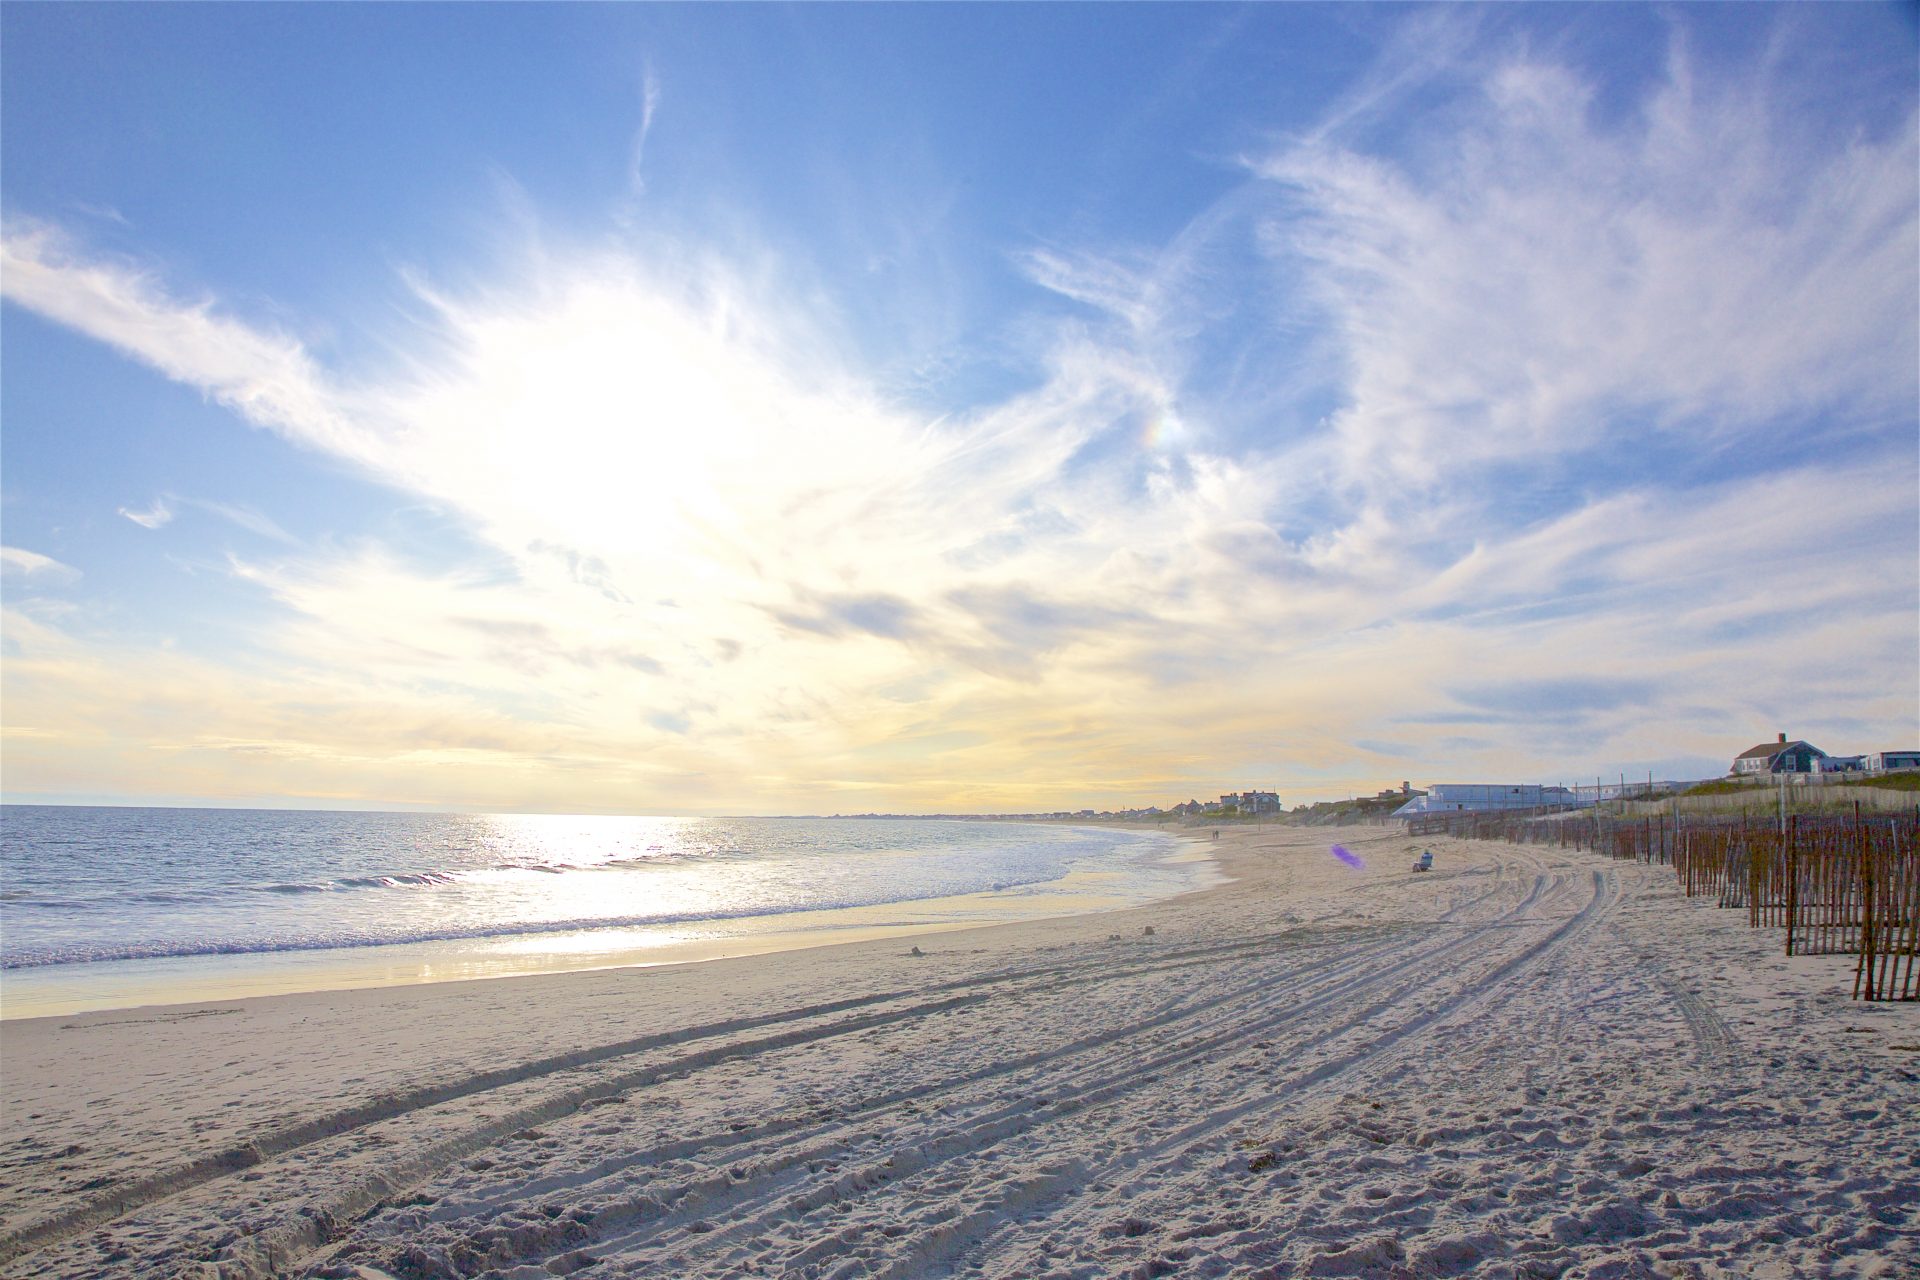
(1528, 1062)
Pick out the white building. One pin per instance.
(1485, 797)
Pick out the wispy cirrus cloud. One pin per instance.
(1543, 285)
(161, 512)
(157, 514)
(23, 565)
(246, 517)
(649, 104)
(267, 378)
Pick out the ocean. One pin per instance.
(108, 907)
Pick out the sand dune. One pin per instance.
(1529, 1062)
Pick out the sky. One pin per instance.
(949, 408)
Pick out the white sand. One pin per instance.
(1527, 1062)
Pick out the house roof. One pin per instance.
(1767, 750)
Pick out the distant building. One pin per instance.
(1891, 761)
(1484, 797)
(1779, 756)
(1254, 802)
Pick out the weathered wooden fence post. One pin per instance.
(1793, 879)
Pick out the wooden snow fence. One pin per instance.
(1649, 840)
(1891, 947)
(1846, 884)
(1713, 861)
(1838, 886)
(1471, 824)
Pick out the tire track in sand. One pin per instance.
(1127, 1176)
(1108, 1086)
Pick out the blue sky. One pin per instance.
(753, 408)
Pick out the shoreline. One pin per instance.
(1554, 1058)
(65, 990)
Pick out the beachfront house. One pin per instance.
(1259, 802)
(1249, 802)
(1890, 761)
(1779, 756)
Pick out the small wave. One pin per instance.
(295, 888)
(405, 880)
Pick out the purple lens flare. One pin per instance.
(1349, 857)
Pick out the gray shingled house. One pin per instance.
(1779, 756)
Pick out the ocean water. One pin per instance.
(189, 894)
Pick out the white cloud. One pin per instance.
(161, 512)
(1120, 290)
(649, 104)
(158, 514)
(19, 564)
(246, 517)
(268, 379)
(1547, 283)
